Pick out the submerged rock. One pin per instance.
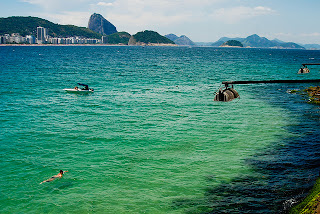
(314, 94)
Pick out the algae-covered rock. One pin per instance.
(314, 94)
(311, 204)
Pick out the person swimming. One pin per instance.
(54, 177)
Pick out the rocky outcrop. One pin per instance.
(99, 24)
(132, 41)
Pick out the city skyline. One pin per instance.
(42, 37)
(201, 21)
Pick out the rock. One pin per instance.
(132, 41)
(99, 24)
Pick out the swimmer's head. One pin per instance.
(61, 171)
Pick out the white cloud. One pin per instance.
(163, 16)
(105, 4)
(65, 5)
(40, 3)
(237, 14)
(315, 34)
(69, 18)
(126, 12)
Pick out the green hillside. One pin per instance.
(119, 38)
(151, 37)
(232, 43)
(28, 26)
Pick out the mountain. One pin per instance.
(312, 46)
(148, 38)
(256, 41)
(28, 26)
(232, 43)
(99, 24)
(182, 40)
(219, 43)
(225, 39)
(172, 37)
(118, 38)
(278, 40)
(291, 45)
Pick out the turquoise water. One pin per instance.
(150, 139)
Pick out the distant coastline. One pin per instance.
(144, 45)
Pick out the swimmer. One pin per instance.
(55, 176)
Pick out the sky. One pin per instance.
(200, 20)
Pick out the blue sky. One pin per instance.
(200, 20)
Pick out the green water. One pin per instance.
(150, 137)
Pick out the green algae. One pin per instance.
(313, 93)
(310, 203)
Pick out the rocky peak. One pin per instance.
(182, 40)
(99, 24)
(172, 36)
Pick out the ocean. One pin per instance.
(150, 139)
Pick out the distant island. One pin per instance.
(255, 41)
(232, 43)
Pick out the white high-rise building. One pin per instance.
(30, 39)
(41, 35)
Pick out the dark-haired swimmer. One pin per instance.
(54, 177)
